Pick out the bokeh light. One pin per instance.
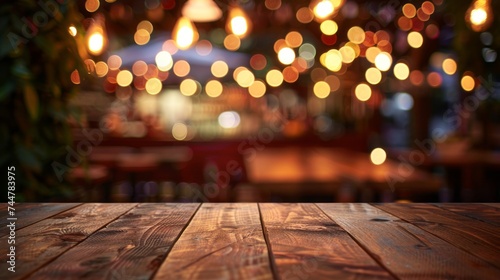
(401, 71)
(363, 92)
(373, 75)
(153, 86)
(274, 78)
(257, 89)
(219, 69)
(189, 87)
(467, 82)
(124, 78)
(378, 156)
(383, 61)
(449, 66)
(229, 119)
(286, 56)
(214, 88)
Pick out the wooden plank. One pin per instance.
(476, 211)
(30, 213)
(40, 243)
(405, 249)
(135, 245)
(223, 241)
(296, 232)
(476, 237)
(497, 205)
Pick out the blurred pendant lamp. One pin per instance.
(238, 22)
(201, 10)
(96, 37)
(479, 16)
(185, 33)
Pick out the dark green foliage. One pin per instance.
(37, 56)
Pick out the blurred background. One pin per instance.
(251, 100)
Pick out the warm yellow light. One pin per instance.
(257, 89)
(96, 36)
(153, 86)
(124, 78)
(329, 27)
(146, 25)
(96, 43)
(467, 83)
(286, 56)
(213, 88)
(274, 78)
(363, 92)
(415, 39)
(245, 78)
(184, 33)
(332, 60)
(449, 66)
(219, 69)
(371, 53)
(378, 156)
(479, 15)
(383, 61)
(348, 54)
(356, 34)
(201, 10)
(238, 22)
(72, 30)
(373, 75)
(323, 9)
(401, 71)
(141, 37)
(232, 42)
(164, 61)
(189, 87)
(179, 131)
(321, 89)
(101, 69)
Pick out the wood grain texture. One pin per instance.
(135, 245)
(307, 244)
(30, 213)
(223, 241)
(476, 237)
(481, 212)
(406, 250)
(497, 205)
(40, 243)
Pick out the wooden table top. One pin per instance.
(253, 241)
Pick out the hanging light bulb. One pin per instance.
(201, 10)
(238, 22)
(323, 9)
(185, 33)
(96, 37)
(479, 15)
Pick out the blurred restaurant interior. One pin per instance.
(251, 100)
